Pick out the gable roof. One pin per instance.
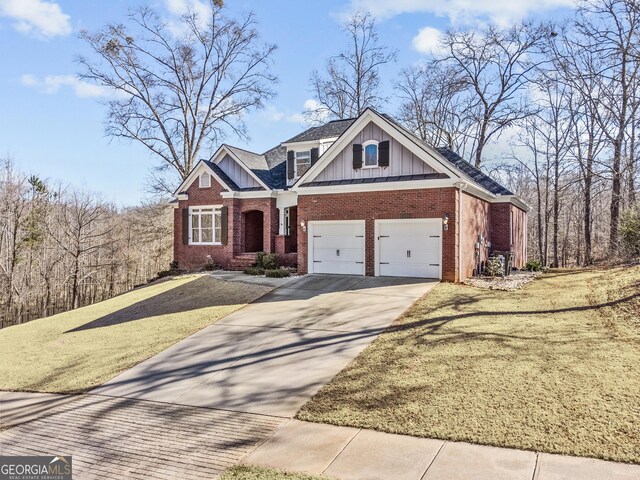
(474, 173)
(331, 129)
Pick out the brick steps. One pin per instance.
(242, 261)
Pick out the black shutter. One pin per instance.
(290, 164)
(315, 154)
(357, 156)
(383, 154)
(224, 225)
(185, 226)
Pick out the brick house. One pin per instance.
(361, 196)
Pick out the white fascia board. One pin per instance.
(514, 199)
(218, 158)
(197, 170)
(376, 187)
(433, 158)
(301, 145)
(250, 194)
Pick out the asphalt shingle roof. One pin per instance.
(270, 167)
(332, 129)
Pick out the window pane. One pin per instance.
(207, 220)
(206, 235)
(371, 155)
(303, 155)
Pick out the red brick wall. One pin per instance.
(424, 203)
(195, 256)
(476, 221)
(509, 231)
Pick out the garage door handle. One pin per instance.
(383, 236)
(359, 262)
(384, 263)
(408, 253)
(434, 236)
(434, 264)
(317, 236)
(337, 253)
(359, 236)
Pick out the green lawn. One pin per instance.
(245, 472)
(554, 367)
(80, 349)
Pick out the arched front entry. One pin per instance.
(253, 226)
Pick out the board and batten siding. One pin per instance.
(236, 173)
(401, 160)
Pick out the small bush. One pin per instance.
(254, 271)
(493, 267)
(169, 273)
(268, 261)
(630, 232)
(533, 266)
(277, 273)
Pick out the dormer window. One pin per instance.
(303, 162)
(370, 153)
(205, 180)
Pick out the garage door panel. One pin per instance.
(338, 247)
(337, 241)
(409, 248)
(338, 254)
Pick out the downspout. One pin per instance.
(460, 186)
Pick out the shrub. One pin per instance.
(533, 266)
(254, 271)
(630, 232)
(169, 273)
(277, 273)
(268, 261)
(494, 267)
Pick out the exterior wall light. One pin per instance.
(445, 221)
(303, 225)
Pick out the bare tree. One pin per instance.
(179, 88)
(607, 33)
(434, 101)
(496, 65)
(351, 82)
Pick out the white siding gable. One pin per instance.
(401, 160)
(237, 173)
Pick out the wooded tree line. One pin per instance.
(62, 248)
(552, 111)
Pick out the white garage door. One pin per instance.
(409, 248)
(336, 247)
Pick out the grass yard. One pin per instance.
(554, 367)
(77, 350)
(245, 472)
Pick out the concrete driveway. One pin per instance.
(271, 356)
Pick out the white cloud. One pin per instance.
(52, 83)
(503, 12)
(177, 8)
(40, 17)
(273, 114)
(428, 41)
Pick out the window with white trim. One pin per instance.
(303, 162)
(370, 153)
(205, 225)
(205, 180)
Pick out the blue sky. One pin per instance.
(52, 124)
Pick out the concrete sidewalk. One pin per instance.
(356, 454)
